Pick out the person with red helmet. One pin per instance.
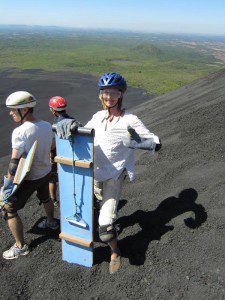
(57, 105)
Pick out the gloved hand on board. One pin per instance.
(66, 127)
(6, 189)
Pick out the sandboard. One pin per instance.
(75, 171)
(23, 169)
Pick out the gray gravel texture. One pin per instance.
(172, 217)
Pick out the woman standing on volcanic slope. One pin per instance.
(117, 134)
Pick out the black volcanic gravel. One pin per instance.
(172, 218)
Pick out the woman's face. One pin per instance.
(110, 97)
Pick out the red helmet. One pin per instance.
(58, 103)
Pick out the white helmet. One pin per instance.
(20, 99)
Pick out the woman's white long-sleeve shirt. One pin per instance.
(111, 157)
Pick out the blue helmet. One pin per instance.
(112, 80)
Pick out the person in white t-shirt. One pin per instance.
(117, 134)
(21, 106)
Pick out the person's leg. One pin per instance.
(11, 216)
(52, 190)
(16, 227)
(44, 196)
(114, 249)
(50, 222)
(53, 185)
(14, 222)
(49, 210)
(108, 215)
(98, 190)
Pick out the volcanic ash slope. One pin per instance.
(171, 217)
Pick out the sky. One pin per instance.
(158, 16)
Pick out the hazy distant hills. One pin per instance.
(148, 49)
(130, 33)
(155, 62)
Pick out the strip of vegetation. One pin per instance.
(153, 64)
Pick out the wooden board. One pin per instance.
(69, 161)
(23, 169)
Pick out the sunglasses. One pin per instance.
(113, 94)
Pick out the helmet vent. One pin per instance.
(112, 80)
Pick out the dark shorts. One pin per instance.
(54, 173)
(27, 188)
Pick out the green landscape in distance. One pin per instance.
(158, 63)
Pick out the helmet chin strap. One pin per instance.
(53, 112)
(108, 107)
(22, 117)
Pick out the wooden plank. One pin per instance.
(19, 170)
(1, 203)
(75, 240)
(17, 179)
(32, 155)
(69, 161)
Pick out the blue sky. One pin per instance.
(169, 16)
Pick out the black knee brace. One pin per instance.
(44, 201)
(13, 165)
(6, 217)
(107, 233)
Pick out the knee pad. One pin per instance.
(44, 201)
(6, 216)
(108, 212)
(53, 179)
(107, 233)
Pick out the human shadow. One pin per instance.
(44, 234)
(154, 225)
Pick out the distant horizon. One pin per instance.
(116, 30)
(204, 17)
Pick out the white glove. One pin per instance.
(63, 128)
(134, 141)
(7, 189)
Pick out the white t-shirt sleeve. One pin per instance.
(18, 140)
